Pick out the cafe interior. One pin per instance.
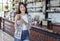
(45, 16)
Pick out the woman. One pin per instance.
(22, 24)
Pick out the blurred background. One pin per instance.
(45, 19)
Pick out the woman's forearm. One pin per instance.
(15, 25)
(24, 22)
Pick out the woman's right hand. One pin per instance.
(16, 17)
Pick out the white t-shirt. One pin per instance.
(26, 20)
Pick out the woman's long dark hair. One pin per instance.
(21, 3)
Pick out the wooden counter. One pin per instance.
(8, 27)
(37, 33)
(56, 27)
(43, 34)
(0, 22)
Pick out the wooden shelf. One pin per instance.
(34, 7)
(53, 12)
(49, 11)
(53, 6)
(31, 2)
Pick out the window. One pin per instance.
(3, 3)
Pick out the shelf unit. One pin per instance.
(35, 5)
(49, 7)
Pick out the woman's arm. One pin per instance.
(15, 23)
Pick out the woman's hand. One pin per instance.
(16, 17)
(24, 22)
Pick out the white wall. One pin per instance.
(55, 17)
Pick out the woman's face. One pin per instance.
(22, 8)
